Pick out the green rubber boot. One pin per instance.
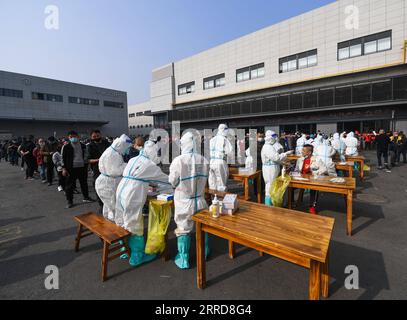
(138, 256)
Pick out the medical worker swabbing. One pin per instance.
(272, 161)
(339, 145)
(111, 167)
(220, 149)
(132, 195)
(324, 153)
(352, 145)
(300, 144)
(188, 175)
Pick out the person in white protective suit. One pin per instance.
(300, 144)
(319, 140)
(111, 167)
(339, 145)
(220, 149)
(352, 145)
(324, 153)
(188, 175)
(132, 195)
(272, 161)
(249, 163)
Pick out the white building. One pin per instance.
(139, 122)
(341, 66)
(46, 107)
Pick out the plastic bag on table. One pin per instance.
(278, 189)
(158, 221)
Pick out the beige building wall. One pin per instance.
(320, 29)
(140, 125)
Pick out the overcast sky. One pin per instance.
(116, 44)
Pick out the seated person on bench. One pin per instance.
(305, 165)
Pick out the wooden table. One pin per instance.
(361, 160)
(324, 184)
(245, 178)
(293, 236)
(338, 165)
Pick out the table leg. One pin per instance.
(290, 197)
(350, 172)
(200, 257)
(325, 278)
(231, 250)
(315, 280)
(105, 260)
(78, 238)
(349, 212)
(362, 172)
(246, 189)
(259, 189)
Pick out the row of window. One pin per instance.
(59, 98)
(365, 45)
(363, 93)
(141, 126)
(348, 49)
(11, 93)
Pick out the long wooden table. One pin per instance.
(293, 236)
(323, 184)
(348, 166)
(245, 178)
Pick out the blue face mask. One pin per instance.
(74, 140)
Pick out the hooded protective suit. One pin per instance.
(324, 153)
(188, 175)
(300, 144)
(352, 145)
(132, 195)
(249, 163)
(220, 149)
(319, 140)
(111, 167)
(272, 161)
(339, 145)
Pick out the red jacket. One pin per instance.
(38, 156)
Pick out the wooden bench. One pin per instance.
(109, 233)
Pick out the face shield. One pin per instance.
(122, 144)
(223, 130)
(150, 151)
(271, 137)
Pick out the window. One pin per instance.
(11, 93)
(214, 82)
(343, 95)
(132, 115)
(250, 73)
(326, 97)
(47, 97)
(382, 91)
(299, 61)
(311, 99)
(400, 88)
(187, 88)
(283, 102)
(296, 101)
(111, 104)
(361, 93)
(365, 45)
(85, 101)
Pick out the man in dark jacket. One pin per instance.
(382, 143)
(403, 147)
(95, 149)
(26, 152)
(74, 166)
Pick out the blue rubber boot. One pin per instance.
(268, 201)
(124, 256)
(182, 258)
(138, 256)
(207, 250)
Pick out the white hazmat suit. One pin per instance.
(300, 144)
(249, 163)
(324, 153)
(133, 188)
(272, 161)
(111, 167)
(339, 145)
(188, 175)
(352, 145)
(220, 149)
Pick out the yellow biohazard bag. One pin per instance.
(158, 221)
(366, 168)
(278, 189)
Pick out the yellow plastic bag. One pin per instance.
(158, 221)
(278, 189)
(366, 168)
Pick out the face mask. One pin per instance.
(74, 140)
